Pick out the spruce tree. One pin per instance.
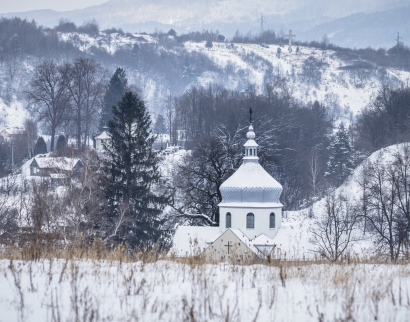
(340, 162)
(40, 147)
(61, 144)
(133, 173)
(117, 87)
(159, 127)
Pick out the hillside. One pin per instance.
(160, 66)
(307, 18)
(295, 236)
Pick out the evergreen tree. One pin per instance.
(40, 147)
(209, 44)
(132, 174)
(61, 144)
(159, 127)
(340, 162)
(117, 87)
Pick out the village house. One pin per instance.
(10, 133)
(56, 168)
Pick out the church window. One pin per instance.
(272, 220)
(251, 151)
(228, 220)
(250, 220)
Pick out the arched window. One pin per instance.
(250, 151)
(228, 220)
(250, 220)
(272, 220)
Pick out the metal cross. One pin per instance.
(290, 40)
(228, 246)
(250, 114)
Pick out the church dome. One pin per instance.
(250, 183)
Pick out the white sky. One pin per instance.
(59, 5)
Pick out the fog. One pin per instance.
(28, 5)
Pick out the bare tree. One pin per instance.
(333, 232)
(30, 127)
(49, 95)
(8, 209)
(86, 86)
(314, 171)
(387, 202)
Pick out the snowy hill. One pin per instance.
(295, 235)
(162, 67)
(312, 74)
(228, 16)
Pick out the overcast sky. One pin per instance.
(59, 5)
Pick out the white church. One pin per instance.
(250, 216)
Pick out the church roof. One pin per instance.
(103, 136)
(251, 183)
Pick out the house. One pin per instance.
(58, 168)
(161, 142)
(11, 133)
(250, 216)
(102, 139)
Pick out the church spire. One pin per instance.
(251, 147)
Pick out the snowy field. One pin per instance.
(86, 290)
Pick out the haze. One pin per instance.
(58, 5)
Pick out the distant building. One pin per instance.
(58, 168)
(161, 142)
(102, 139)
(10, 133)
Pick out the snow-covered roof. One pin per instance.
(60, 163)
(103, 136)
(13, 131)
(192, 240)
(248, 242)
(250, 183)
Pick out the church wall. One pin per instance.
(239, 252)
(238, 220)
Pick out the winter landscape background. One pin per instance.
(331, 117)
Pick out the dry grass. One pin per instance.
(96, 283)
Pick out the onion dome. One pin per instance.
(251, 183)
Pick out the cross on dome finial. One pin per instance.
(250, 115)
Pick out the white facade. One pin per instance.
(261, 220)
(250, 197)
(103, 138)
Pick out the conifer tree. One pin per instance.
(159, 127)
(40, 147)
(117, 87)
(340, 162)
(132, 174)
(61, 144)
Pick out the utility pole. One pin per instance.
(398, 45)
(290, 40)
(262, 20)
(12, 156)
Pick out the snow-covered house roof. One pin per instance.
(192, 240)
(12, 131)
(103, 136)
(251, 184)
(58, 163)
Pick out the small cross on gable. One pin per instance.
(229, 245)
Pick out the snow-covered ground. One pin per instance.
(12, 115)
(86, 290)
